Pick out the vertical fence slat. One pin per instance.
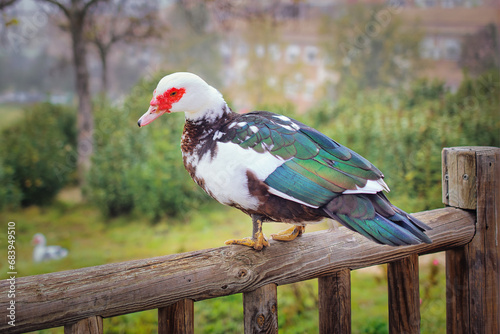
(176, 318)
(457, 293)
(472, 271)
(334, 302)
(260, 308)
(458, 168)
(404, 299)
(488, 234)
(90, 325)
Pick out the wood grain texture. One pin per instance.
(457, 292)
(260, 308)
(404, 298)
(177, 318)
(334, 302)
(486, 314)
(91, 325)
(62, 298)
(459, 177)
(472, 271)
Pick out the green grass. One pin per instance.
(10, 113)
(93, 240)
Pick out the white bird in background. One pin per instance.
(42, 252)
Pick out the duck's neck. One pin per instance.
(210, 114)
(210, 108)
(199, 133)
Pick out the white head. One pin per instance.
(39, 239)
(186, 92)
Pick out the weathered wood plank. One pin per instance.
(457, 292)
(404, 298)
(334, 302)
(90, 325)
(177, 318)
(472, 271)
(445, 177)
(486, 274)
(260, 309)
(459, 177)
(61, 298)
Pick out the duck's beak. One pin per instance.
(150, 115)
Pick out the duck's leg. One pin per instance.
(289, 234)
(257, 241)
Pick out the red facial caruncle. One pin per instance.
(164, 101)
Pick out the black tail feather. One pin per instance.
(382, 223)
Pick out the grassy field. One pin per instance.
(9, 113)
(93, 240)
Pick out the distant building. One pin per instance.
(300, 67)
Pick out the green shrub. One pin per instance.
(140, 170)
(10, 193)
(38, 154)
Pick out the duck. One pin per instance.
(277, 169)
(42, 252)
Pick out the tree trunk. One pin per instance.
(103, 54)
(85, 121)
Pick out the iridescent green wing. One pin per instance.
(316, 169)
(263, 132)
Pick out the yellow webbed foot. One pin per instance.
(258, 242)
(289, 234)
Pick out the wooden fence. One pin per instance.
(467, 229)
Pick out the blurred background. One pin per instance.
(395, 81)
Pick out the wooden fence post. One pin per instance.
(260, 308)
(177, 318)
(471, 180)
(404, 299)
(90, 325)
(334, 302)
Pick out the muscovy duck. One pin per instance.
(277, 169)
(42, 252)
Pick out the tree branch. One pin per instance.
(65, 10)
(91, 3)
(6, 3)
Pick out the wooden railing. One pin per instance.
(467, 229)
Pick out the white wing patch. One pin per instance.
(254, 129)
(290, 198)
(218, 135)
(371, 187)
(283, 118)
(290, 126)
(267, 147)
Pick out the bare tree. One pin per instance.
(6, 3)
(76, 13)
(118, 21)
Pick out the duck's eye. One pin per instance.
(174, 93)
